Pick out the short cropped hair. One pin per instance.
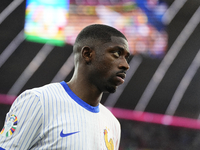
(95, 32)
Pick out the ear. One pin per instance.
(87, 54)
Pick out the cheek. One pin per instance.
(104, 66)
(107, 71)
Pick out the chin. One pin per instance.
(110, 89)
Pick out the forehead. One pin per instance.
(119, 41)
(116, 42)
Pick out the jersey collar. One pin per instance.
(78, 100)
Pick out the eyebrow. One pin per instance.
(122, 49)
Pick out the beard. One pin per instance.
(111, 89)
(110, 85)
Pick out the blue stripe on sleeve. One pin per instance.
(2, 148)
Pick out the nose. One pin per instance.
(124, 64)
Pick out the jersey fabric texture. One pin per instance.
(53, 117)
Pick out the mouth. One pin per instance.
(121, 75)
(120, 78)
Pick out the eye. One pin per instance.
(127, 58)
(117, 53)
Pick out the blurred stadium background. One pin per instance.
(158, 106)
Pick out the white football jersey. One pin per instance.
(53, 117)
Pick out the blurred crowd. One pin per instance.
(146, 136)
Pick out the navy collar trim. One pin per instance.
(78, 100)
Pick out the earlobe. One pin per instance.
(86, 53)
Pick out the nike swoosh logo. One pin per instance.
(67, 134)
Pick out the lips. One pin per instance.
(121, 75)
(120, 78)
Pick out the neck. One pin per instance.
(86, 92)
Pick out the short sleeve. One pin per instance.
(23, 123)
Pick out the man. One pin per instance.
(70, 115)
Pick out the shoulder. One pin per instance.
(106, 112)
(37, 94)
(105, 109)
(48, 88)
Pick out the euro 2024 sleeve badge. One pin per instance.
(10, 126)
